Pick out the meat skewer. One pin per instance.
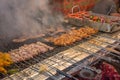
(72, 36)
(25, 38)
(29, 51)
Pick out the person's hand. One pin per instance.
(115, 14)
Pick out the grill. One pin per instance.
(88, 65)
(59, 59)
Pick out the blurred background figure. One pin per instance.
(107, 7)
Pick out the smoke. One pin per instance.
(28, 17)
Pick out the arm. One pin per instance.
(115, 14)
(113, 10)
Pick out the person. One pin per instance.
(106, 7)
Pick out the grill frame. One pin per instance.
(62, 49)
(77, 66)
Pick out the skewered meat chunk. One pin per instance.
(50, 48)
(29, 51)
(73, 36)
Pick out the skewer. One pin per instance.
(83, 65)
(76, 65)
(33, 68)
(37, 70)
(61, 72)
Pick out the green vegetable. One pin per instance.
(13, 71)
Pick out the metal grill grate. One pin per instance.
(60, 60)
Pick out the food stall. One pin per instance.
(85, 47)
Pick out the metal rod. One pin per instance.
(101, 56)
(61, 72)
(67, 75)
(69, 61)
(107, 49)
(32, 68)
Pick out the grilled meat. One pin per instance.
(5, 60)
(72, 36)
(25, 38)
(29, 51)
(79, 15)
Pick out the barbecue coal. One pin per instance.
(29, 51)
(72, 36)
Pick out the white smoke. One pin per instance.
(26, 16)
